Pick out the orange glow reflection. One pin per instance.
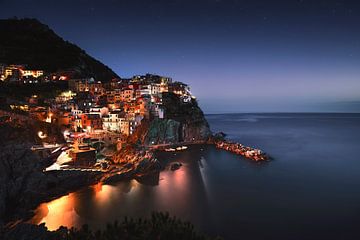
(103, 193)
(180, 179)
(59, 212)
(174, 186)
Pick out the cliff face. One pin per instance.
(163, 131)
(22, 129)
(184, 122)
(27, 41)
(19, 166)
(23, 184)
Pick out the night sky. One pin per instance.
(237, 56)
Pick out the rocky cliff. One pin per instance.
(183, 122)
(23, 184)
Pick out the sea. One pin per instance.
(309, 190)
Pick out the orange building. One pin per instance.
(91, 121)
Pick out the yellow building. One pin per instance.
(8, 72)
(19, 71)
(83, 155)
(127, 95)
(32, 73)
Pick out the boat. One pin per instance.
(175, 166)
(170, 150)
(181, 148)
(176, 149)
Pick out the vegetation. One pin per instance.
(159, 226)
(179, 111)
(42, 90)
(28, 41)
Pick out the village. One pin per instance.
(97, 118)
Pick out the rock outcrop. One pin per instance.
(23, 129)
(183, 122)
(134, 162)
(163, 131)
(23, 184)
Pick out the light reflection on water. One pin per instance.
(101, 203)
(59, 212)
(311, 190)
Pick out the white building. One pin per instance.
(158, 111)
(150, 89)
(105, 136)
(32, 73)
(116, 122)
(155, 88)
(76, 112)
(101, 111)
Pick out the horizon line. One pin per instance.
(282, 112)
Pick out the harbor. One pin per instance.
(239, 149)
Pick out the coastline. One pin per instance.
(81, 180)
(132, 163)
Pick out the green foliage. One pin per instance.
(27, 41)
(159, 226)
(180, 111)
(42, 90)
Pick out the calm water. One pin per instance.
(311, 190)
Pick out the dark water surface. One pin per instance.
(311, 190)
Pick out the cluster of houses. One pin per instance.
(19, 73)
(90, 112)
(24, 74)
(108, 112)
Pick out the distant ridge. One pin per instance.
(28, 41)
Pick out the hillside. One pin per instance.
(28, 41)
(184, 122)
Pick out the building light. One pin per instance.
(41, 135)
